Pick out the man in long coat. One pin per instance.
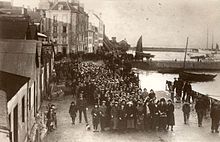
(82, 107)
(215, 116)
(72, 112)
(122, 118)
(102, 110)
(114, 116)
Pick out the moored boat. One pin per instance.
(199, 77)
(169, 71)
(188, 76)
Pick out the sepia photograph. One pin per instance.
(109, 70)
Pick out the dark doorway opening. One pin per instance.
(15, 121)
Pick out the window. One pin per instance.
(55, 18)
(64, 40)
(90, 41)
(54, 29)
(23, 109)
(60, 7)
(64, 18)
(64, 29)
(29, 98)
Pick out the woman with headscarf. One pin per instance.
(140, 115)
(162, 107)
(130, 116)
(170, 115)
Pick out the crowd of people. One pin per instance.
(119, 102)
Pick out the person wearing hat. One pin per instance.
(187, 88)
(200, 110)
(95, 117)
(170, 115)
(140, 115)
(122, 118)
(72, 112)
(82, 107)
(114, 116)
(186, 112)
(154, 114)
(215, 116)
(179, 87)
(130, 115)
(102, 110)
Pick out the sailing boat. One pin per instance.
(139, 51)
(189, 76)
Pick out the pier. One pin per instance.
(190, 65)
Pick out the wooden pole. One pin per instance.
(185, 53)
(207, 40)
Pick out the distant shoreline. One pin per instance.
(190, 65)
(163, 49)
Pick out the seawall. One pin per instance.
(189, 65)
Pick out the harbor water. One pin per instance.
(156, 81)
(178, 56)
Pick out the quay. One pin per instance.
(163, 49)
(77, 133)
(190, 65)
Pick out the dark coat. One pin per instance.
(114, 112)
(95, 115)
(215, 112)
(170, 114)
(163, 110)
(130, 112)
(72, 110)
(102, 110)
(200, 105)
(186, 108)
(81, 104)
(122, 114)
(153, 110)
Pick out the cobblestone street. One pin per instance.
(66, 132)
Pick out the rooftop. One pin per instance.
(11, 83)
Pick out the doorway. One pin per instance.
(15, 122)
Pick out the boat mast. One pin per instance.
(212, 40)
(185, 53)
(207, 40)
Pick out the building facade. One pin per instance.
(67, 27)
(21, 56)
(96, 27)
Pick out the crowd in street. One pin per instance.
(119, 104)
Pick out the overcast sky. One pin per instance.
(161, 22)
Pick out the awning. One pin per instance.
(41, 35)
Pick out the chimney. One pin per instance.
(114, 39)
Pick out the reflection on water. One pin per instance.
(156, 81)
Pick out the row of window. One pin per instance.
(64, 29)
(63, 41)
(62, 18)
